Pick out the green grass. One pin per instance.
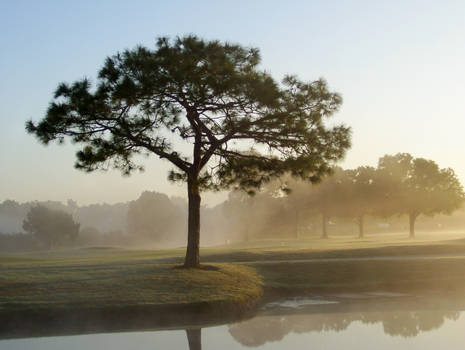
(408, 276)
(104, 277)
(113, 282)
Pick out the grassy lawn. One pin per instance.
(394, 244)
(424, 275)
(106, 277)
(117, 278)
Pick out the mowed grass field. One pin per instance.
(108, 277)
(115, 279)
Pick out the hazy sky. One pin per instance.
(399, 65)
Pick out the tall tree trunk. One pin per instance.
(193, 227)
(247, 220)
(361, 228)
(194, 338)
(324, 228)
(412, 218)
(296, 226)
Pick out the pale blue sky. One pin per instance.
(398, 64)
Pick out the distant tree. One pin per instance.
(50, 226)
(296, 193)
(104, 217)
(253, 216)
(210, 95)
(238, 211)
(12, 214)
(154, 217)
(415, 186)
(393, 170)
(89, 235)
(330, 198)
(362, 194)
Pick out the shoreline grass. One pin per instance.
(111, 284)
(144, 286)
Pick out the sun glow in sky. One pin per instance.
(399, 66)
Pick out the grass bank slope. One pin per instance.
(53, 285)
(115, 292)
(413, 276)
(142, 288)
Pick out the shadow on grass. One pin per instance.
(201, 267)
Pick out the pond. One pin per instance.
(348, 321)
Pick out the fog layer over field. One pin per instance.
(156, 221)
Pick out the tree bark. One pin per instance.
(193, 227)
(296, 225)
(246, 219)
(412, 218)
(194, 338)
(361, 228)
(324, 220)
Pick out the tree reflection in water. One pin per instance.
(194, 338)
(263, 329)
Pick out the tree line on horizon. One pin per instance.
(400, 186)
(153, 220)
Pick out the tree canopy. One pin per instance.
(362, 194)
(400, 185)
(243, 127)
(415, 186)
(154, 217)
(329, 198)
(50, 226)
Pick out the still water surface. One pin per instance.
(395, 327)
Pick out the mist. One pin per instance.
(348, 203)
